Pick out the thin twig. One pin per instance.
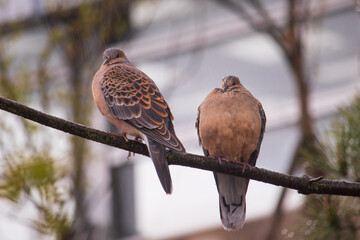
(270, 25)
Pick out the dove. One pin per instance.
(230, 126)
(131, 101)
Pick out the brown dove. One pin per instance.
(130, 100)
(230, 126)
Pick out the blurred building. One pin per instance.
(187, 47)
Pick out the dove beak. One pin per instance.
(224, 88)
(106, 61)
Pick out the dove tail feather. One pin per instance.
(158, 156)
(232, 191)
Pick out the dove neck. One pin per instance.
(232, 88)
(118, 61)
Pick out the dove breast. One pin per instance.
(230, 124)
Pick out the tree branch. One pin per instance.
(262, 21)
(304, 185)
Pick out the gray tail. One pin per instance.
(158, 156)
(232, 191)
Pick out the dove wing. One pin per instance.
(133, 97)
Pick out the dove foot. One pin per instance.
(123, 135)
(219, 158)
(245, 164)
(129, 155)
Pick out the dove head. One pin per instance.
(114, 55)
(230, 82)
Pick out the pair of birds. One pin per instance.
(230, 125)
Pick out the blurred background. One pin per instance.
(300, 58)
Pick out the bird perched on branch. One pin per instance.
(230, 126)
(130, 100)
